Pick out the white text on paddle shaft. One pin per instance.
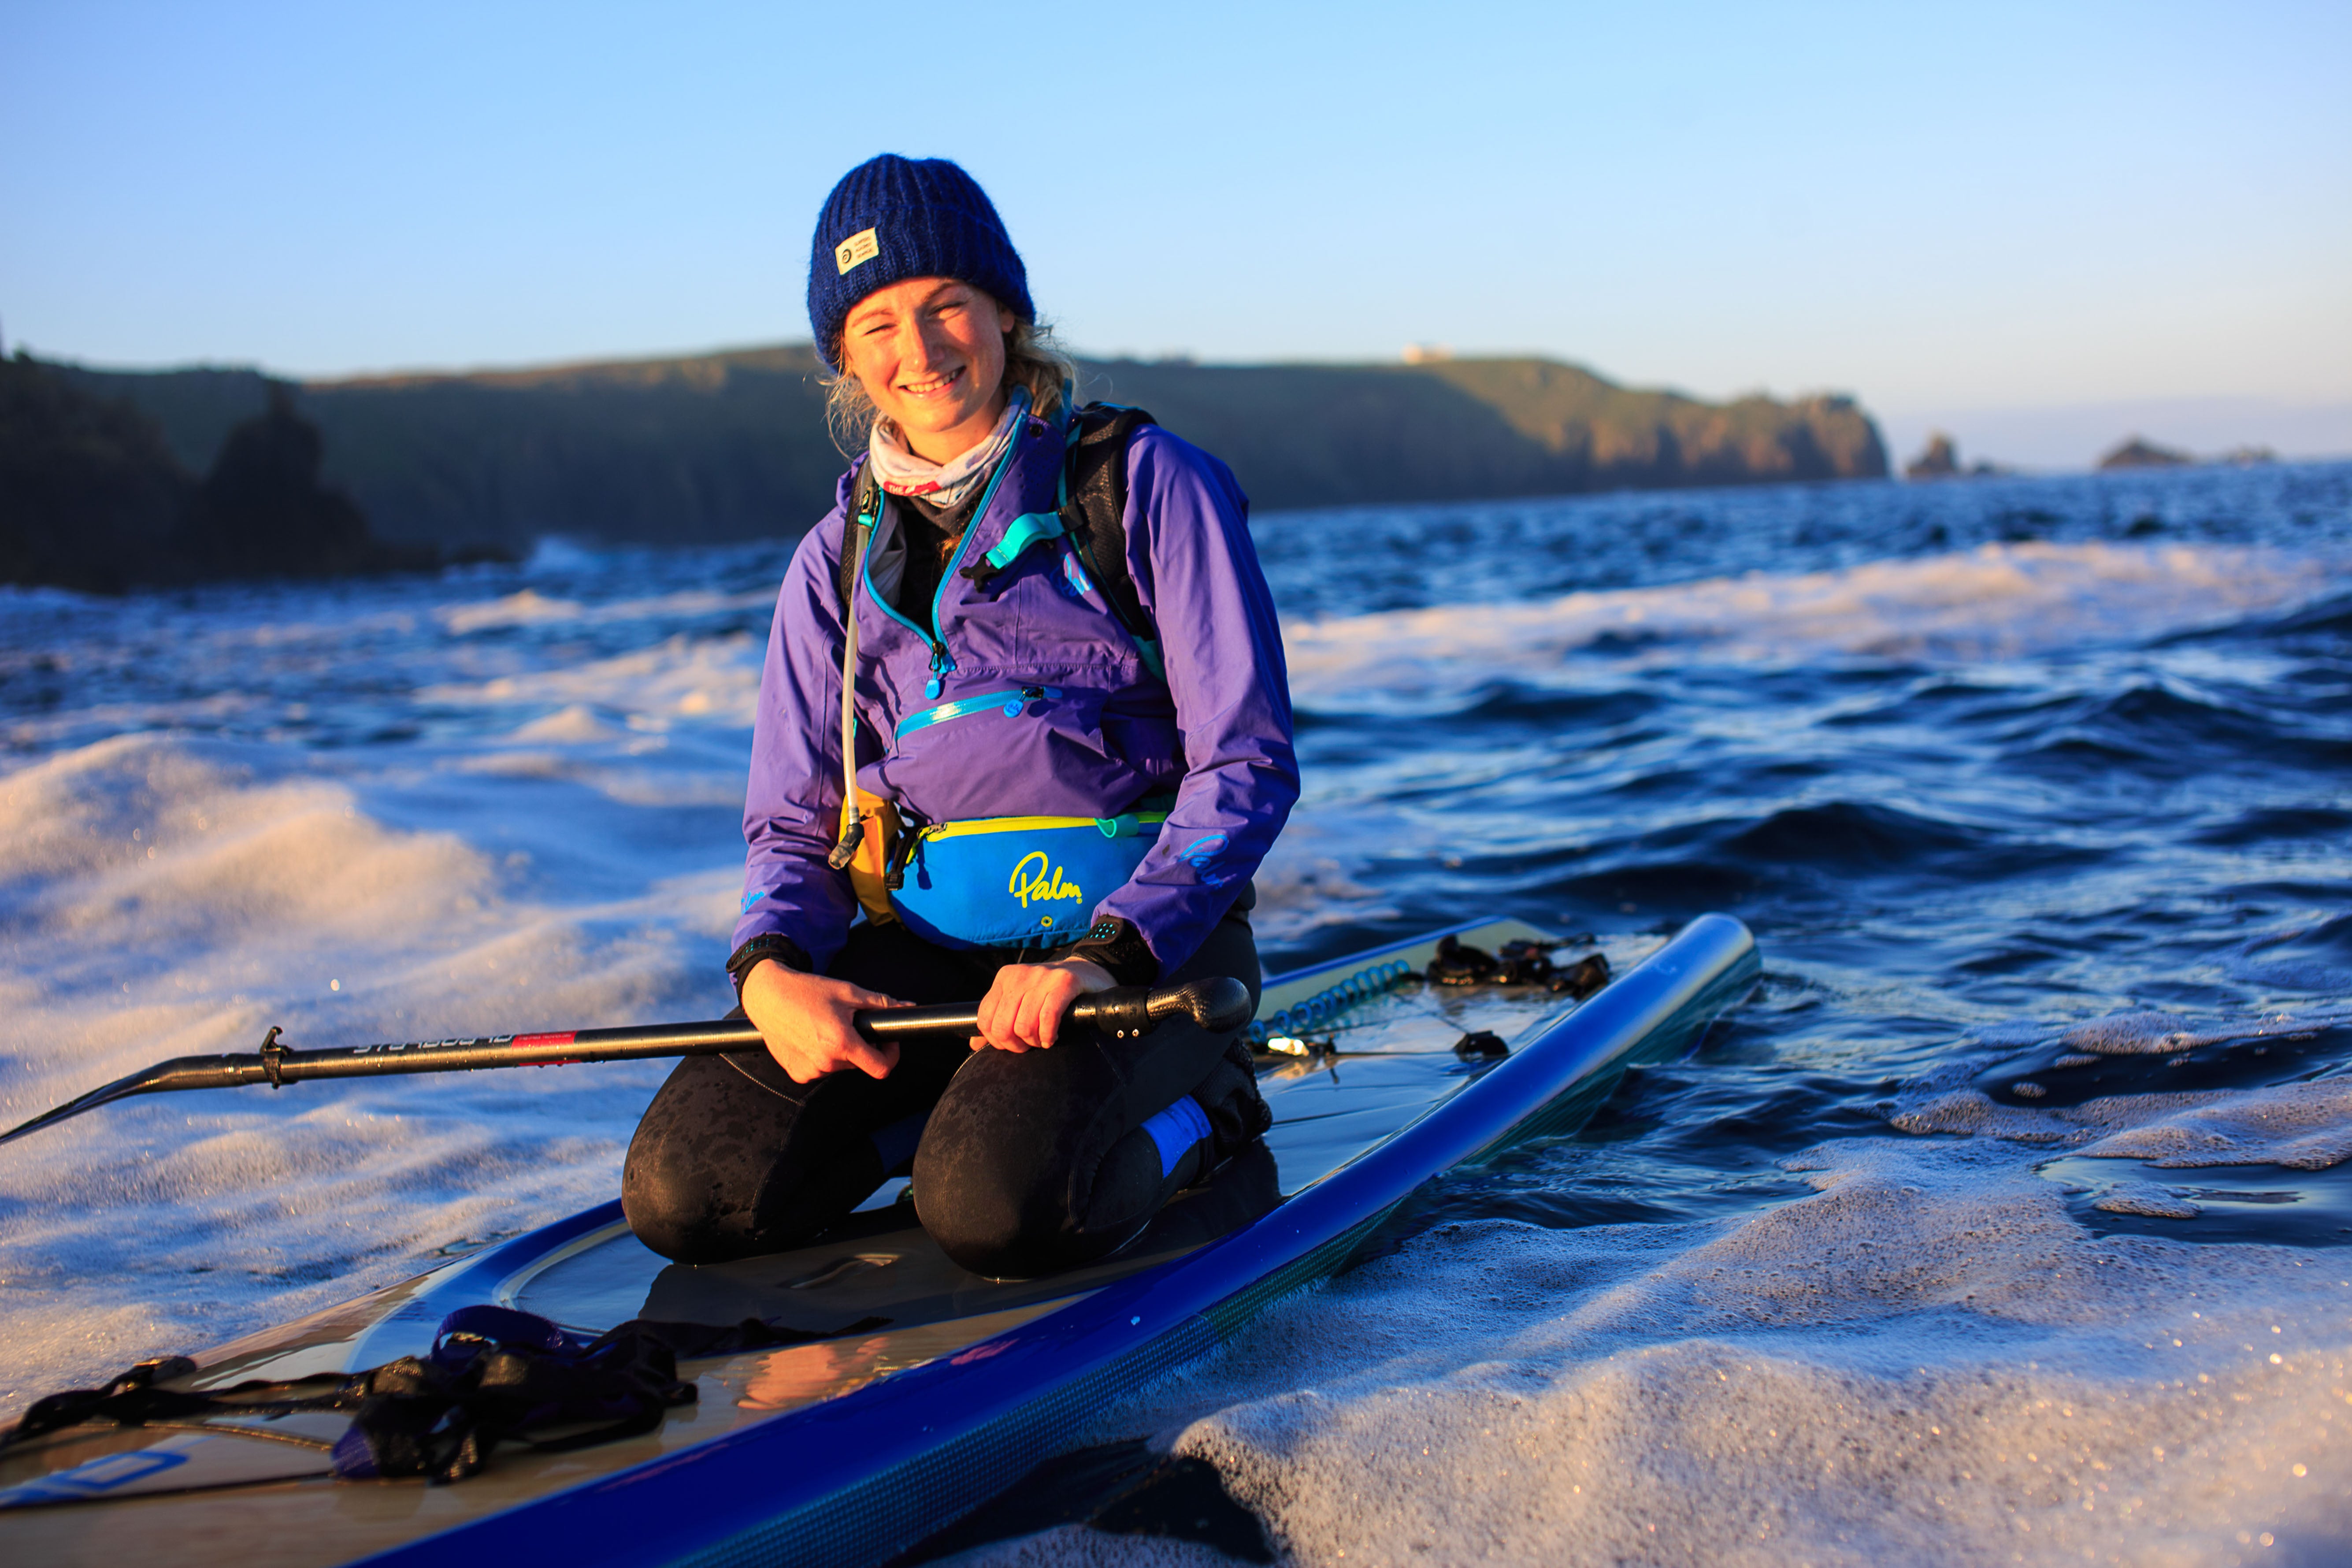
(1031, 880)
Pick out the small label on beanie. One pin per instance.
(856, 251)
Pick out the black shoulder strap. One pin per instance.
(1096, 514)
(865, 500)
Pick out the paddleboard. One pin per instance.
(849, 1448)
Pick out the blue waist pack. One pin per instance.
(1018, 881)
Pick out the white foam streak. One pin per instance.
(530, 607)
(705, 679)
(1998, 601)
(2300, 1126)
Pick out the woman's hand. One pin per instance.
(1024, 1007)
(805, 1020)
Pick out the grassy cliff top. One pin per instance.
(698, 371)
(733, 445)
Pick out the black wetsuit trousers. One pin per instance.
(1022, 1163)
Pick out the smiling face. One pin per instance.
(929, 351)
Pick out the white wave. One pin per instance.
(2301, 1126)
(530, 607)
(166, 896)
(2140, 1034)
(524, 608)
(1998, 601)
(2143, 1033)
(1928, 1361)
(710, 680)
(574, 724)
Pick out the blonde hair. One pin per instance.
(1033, 359)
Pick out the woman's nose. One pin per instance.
(930, 347)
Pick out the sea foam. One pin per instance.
(1995, 602)
(557, 854)
(1926, 1361)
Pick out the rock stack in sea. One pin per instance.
(1941, 460)
(2141, 453)
(93, 498)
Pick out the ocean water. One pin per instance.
(2005, 1223)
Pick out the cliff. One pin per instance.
(733, 446)
(88, 491)
(94, 496)
(1476, 429)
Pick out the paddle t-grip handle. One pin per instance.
(1219, 1005)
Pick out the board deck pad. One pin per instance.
(1392, 1061)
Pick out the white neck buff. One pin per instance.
(899, 471)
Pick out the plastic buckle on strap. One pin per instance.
(1020, 533)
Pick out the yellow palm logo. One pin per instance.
(1033, 877)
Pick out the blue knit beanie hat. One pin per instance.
(893, 218)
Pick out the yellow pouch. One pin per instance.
(875, 847)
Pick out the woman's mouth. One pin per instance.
(931, 387)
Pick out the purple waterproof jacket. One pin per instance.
(1217, 734)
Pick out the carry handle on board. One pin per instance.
(1218, 1006)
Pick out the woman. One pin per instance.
(1121, 738)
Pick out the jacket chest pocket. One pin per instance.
(1007, 727)
(1059, 625)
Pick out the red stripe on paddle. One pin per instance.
(542, 1042)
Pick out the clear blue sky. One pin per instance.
(1983, 206)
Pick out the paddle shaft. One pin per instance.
(1215, 1004)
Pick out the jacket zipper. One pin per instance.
(942, 662)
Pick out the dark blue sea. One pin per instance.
(2006, 1222)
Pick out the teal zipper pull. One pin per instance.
(941, 665)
